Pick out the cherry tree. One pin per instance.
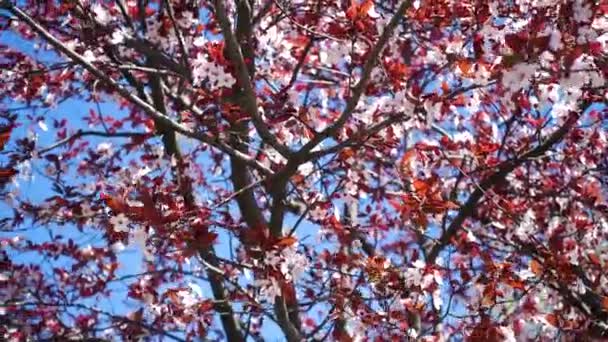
(345, 170)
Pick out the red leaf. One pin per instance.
(594, 259)
(206, 239)
(6, 174)
(5, 134)
(596, 48)
(149, 211)
(536, 123)
(405, 162)
(365, 7)
(445, 87)
(451, 205)
(347, 153)
(605, 303)
(420, 220)
(286, 241)
(256, 236)
(396, 203)
(136, 316)
(351, 12)
(516, 41)
(517, 284)
(358, 11)
(421, 186)
(201, 241)
(465, 67)
(536, 267)
(118, 205)
(172, 295)
(551, 319)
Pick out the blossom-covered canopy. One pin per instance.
(348, 170)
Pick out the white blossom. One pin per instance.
(43, 125)
(104, 148)
(117, 247)
(187, 20)
(582, 13)
(118, 36)
(215, 74)
(555, 42)
(199, 41)
(187, 298)
(437, 300)
(306, 168)
(527, 226)
(291, 263)
(101, 14)
(335, 53)
(518, 77)
(89, 56)
(295, 263)
(120, 223)
(269, 289)
(317, 213)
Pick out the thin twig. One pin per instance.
(81, 133)
(180, 39)
(236, 194)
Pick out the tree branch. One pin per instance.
(467, 209)
(238, 47)
(147, 49)
(279, 180)
(126, 93)
(81, 133)
(358, 90)
(230, 323)
(248, 100)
